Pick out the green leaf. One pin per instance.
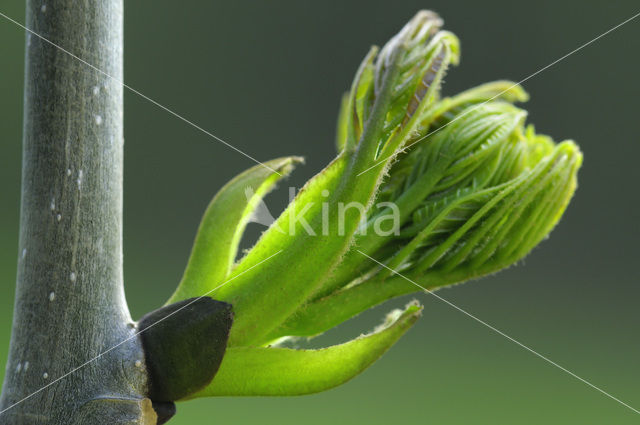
(272, 371)
(263, 296)
(216, 245)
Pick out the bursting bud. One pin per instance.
(462, 185)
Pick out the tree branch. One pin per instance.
(70, 303)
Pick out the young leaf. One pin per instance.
(216, 245)
(272, 371)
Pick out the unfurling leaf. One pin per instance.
(216, 245)
(473, 199)
(273, 371)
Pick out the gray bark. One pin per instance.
(70, 303)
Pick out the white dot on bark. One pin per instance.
(138, 363)
(45, 375)
(52, 296)
(59, 217)
(72, 277)
(98, 119)
(43, 8)
(68, 171)
(96, 90)
(24, 252)
(26, 366)
(19, 367)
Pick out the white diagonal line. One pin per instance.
(498, 331)
(133, 336)
(507, 89)
(175, 114)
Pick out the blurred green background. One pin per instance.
(267, 77)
